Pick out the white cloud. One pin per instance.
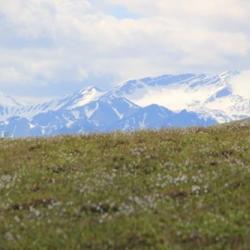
(11, 75)
(241, 84)
(48, 41)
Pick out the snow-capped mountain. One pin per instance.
(69, 102)
(108, 113)
(154, 102)
(212, 96)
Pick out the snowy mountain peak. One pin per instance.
(83, 97)
(159, 81)
(90, 89)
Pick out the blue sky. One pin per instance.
(53, 47)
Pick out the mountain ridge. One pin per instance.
(147, 103)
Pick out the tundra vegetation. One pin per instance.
(169, 189)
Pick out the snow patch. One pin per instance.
(118, 113)
(89, 112)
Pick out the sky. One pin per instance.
(50, 48)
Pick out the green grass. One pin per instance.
(172, 189)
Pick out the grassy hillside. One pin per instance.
(173, 189)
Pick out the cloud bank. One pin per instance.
(57, 45)
(241, 84)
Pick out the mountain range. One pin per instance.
(150, 103)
